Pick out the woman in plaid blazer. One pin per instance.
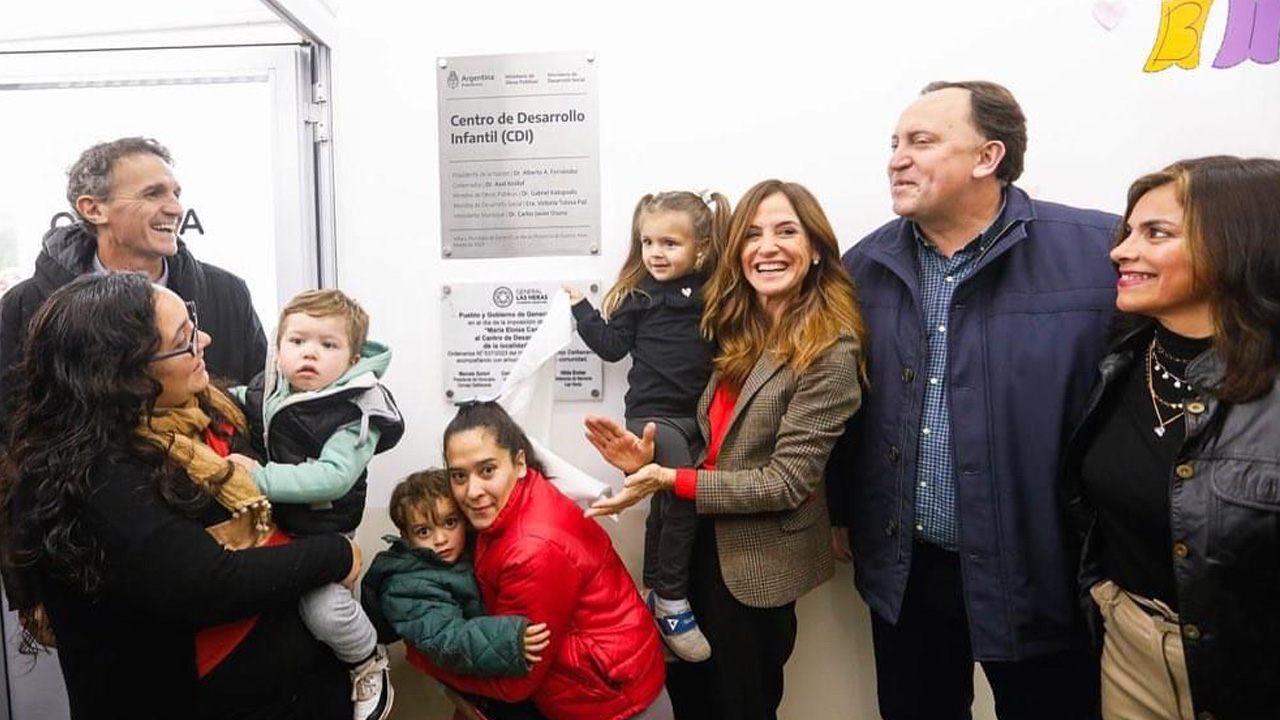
(786, 378)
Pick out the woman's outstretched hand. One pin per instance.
(536, 639)
(646, 481)
(619, 446)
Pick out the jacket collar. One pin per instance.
(1206, 370)
(355, 383)
(372, 363)
(765, 368)
(68, 252)
(693, 280)
(897, 250)
(681, 292)
(761, 373)
(1123, 346)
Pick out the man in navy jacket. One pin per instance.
(126, 197)
(986, 312)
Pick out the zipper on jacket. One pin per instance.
(302, 397)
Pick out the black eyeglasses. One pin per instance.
(190, 347)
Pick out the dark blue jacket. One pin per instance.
(1025, 334)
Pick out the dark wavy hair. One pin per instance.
(490, 417)
(1231, 214)
(81, 387)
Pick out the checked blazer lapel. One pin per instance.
(763, 371)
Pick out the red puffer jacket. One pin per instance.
(542, 559)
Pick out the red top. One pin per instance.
(718, 415)
(214, 644)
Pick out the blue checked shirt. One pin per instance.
(935, 471)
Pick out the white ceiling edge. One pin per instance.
(244, 33)
(66, 25)
(48, 19)
(315, 20)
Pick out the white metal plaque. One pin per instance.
(486, 326)
(519, 155)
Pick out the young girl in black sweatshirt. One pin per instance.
(654, 313)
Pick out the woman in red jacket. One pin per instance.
(537, 555)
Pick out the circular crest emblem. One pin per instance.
(503, 297)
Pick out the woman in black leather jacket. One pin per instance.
(1174, 474)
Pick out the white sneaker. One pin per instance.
(371, 691)
(681, 634)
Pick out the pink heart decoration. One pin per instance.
(1109, 13)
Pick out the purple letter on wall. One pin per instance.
(1253, 32)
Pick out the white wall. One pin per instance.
(721, 95)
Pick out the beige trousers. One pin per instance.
(1144, 671)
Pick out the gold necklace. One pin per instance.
(1165, 373)
(1156, 400)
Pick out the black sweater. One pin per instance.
(1125, 473)
(658, 325)
(128, 650)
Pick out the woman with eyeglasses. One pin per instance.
(1175, 471)
(166, 587)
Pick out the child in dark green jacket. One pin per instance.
(422, 589)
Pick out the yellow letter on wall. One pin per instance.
(1178, 40)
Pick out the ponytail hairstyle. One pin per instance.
(710, 227)
(490, 417)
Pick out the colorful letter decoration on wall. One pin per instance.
(1253, 33)
(1178, 39)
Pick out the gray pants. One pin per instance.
(334, 617)
(659, 709)
(672, 523)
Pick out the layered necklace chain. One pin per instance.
(1156, 368)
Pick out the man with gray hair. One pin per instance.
(127, 199)
(986, 313)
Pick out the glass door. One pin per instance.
(235, 120)
(238, 122)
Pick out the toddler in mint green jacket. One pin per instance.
(317, 415)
